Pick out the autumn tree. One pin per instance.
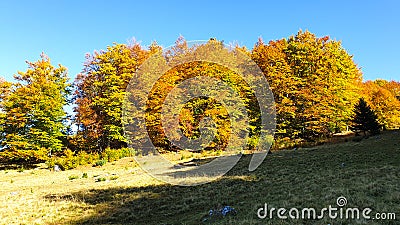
(100, 91)
(365, 119)
(393, 87)
(271, 58)
(32, 111)
(315, 84)
(382, 96)
(5, 88)
(230, 103)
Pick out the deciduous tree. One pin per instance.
(32, 111)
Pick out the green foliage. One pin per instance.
(73, 177)
(365, 119)
(111, 155)
(70, 160)
(32, 111)
(114, 177)
(100, 179)
(314, 80)
(84, 175)
(14, 155)
(21, 169)
(100, 94)
(100, 162)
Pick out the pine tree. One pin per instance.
(365, 118)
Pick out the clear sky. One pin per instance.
(66, 30)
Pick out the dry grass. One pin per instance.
(23, 194)
(367, 173)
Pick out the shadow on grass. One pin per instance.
(366, 173)
(163, 204)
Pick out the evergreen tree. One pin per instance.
(365, 118)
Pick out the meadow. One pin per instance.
(366, 172)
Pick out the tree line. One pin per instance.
(315, 84)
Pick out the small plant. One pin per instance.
(11, 181)
(21, 169)
(100, 162)
(113, 177)
(100, 179)
(84, 175)
(73, 177)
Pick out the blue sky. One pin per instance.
(66, 30)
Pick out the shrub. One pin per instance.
(115, 154)
(73, 177)
(69, 160)
(126, 152)
(85, 175)
(100, 162)
(113, 177)
(112, 155)
(21, 169)
(65, 162)
(100, 179)
(85, 158)
(29, 156)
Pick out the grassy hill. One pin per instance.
(366, 173)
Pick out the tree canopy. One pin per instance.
(315, 84)
(32, 113)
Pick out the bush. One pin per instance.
(21, 169)
(113, 177)
(111, 155)
(73, 177)
(126, 152)
(100, 179)
(100, 162)
(115, 154)
(29, 156)
(83, 158)
(84, 175)
(69, 160)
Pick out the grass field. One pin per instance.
(366, 172)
